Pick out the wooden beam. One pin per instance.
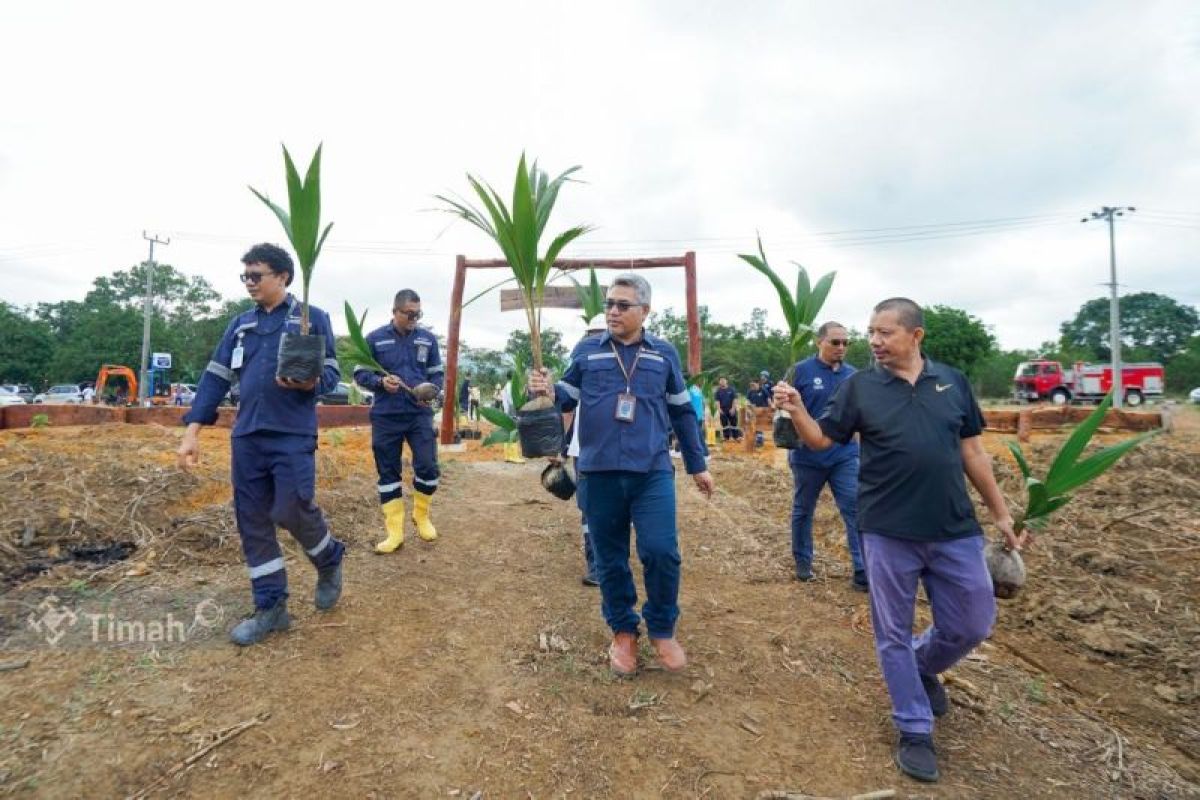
(555, 297)
(570, 264)
(450, 404)
(693, 313)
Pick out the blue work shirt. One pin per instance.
(593, 381)
(725, 398)
(264, 405)
(412, 357)
(817, 381)
(697, 401)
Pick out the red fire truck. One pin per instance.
(1047, 380)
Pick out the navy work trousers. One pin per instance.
(274, 476)
(388, 434)
(647, 501)
(807, 483)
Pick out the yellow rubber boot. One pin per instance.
(425, 527)
(512, 453)
(393, 519)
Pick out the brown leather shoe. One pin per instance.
(623, 654)
(670, 654)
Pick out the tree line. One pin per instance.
(67, 341)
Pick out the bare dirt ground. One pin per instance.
(477, 664)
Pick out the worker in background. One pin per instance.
(273, 441)
(726, 397)
(409, 352)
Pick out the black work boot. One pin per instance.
(859, 581)
(916, 757)
(804, 572)
(939, 703)
(329, 587)
(265, 620)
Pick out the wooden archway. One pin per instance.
(687, 261)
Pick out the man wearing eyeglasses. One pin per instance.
(628, 387)
(410, 354)
(817, 378)
(274, 437)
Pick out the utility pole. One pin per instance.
(1109, 213)
(144, 386)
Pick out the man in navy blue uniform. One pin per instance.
(629, 388)
(817, 378)
(409, 352)
(726, 397)
(921, 432)
(273, 441)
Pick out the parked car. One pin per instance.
(340, 396)
(24, 390)
(186, 392)
(10, 398)
(62, 394)
(1194, 395)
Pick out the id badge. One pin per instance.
(235, 360)
(626, 406)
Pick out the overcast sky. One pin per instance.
(852, 135)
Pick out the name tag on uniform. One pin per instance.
(626, 407)
(235, 361)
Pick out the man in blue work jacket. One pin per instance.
(629, 388)
(817, 378)
(409, 352)
(726, 397)
(274, 438)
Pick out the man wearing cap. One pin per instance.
(817, 378)
(409, 352)
(629, 388)
(920, 429)
(273, 441)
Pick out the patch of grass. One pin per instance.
(1035, 690)
(1005, 710)
(40, 421)
(81, 588)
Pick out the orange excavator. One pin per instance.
(110, 371)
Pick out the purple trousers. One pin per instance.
(960, 594)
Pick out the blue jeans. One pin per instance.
(960, 595)
(647, 500)
(807, 484)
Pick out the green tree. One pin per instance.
(736, 352)
(1153, 326)
(1183, 370)
(26, 347)
(553, 349)
(957, 338)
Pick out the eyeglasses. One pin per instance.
(620, 305)
(838, 342)
(412, 315)
(254, 277)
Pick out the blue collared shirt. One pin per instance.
(817, 381)
(413, 357)
(264, 405)
(594, 380)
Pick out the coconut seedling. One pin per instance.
(1067, 473)
(799, 313)
(361, 352)
(506, 426)
(591, 297)
(301, 357)
(518, 231)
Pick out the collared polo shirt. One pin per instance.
(911, 483)
(593, 381)
(817, 382)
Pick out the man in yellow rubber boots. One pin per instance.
(410, 353)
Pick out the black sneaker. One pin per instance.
(804, 572)
(939, 704)
(265, 621)
(859, 582)
(916, 757)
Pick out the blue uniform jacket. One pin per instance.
(264, 405)
(413, 357)
(725, 398)
(817, 381)
(593, 381)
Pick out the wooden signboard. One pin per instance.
(555, 297)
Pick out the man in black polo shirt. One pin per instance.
(920, 430)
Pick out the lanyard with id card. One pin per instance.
(626, 400)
